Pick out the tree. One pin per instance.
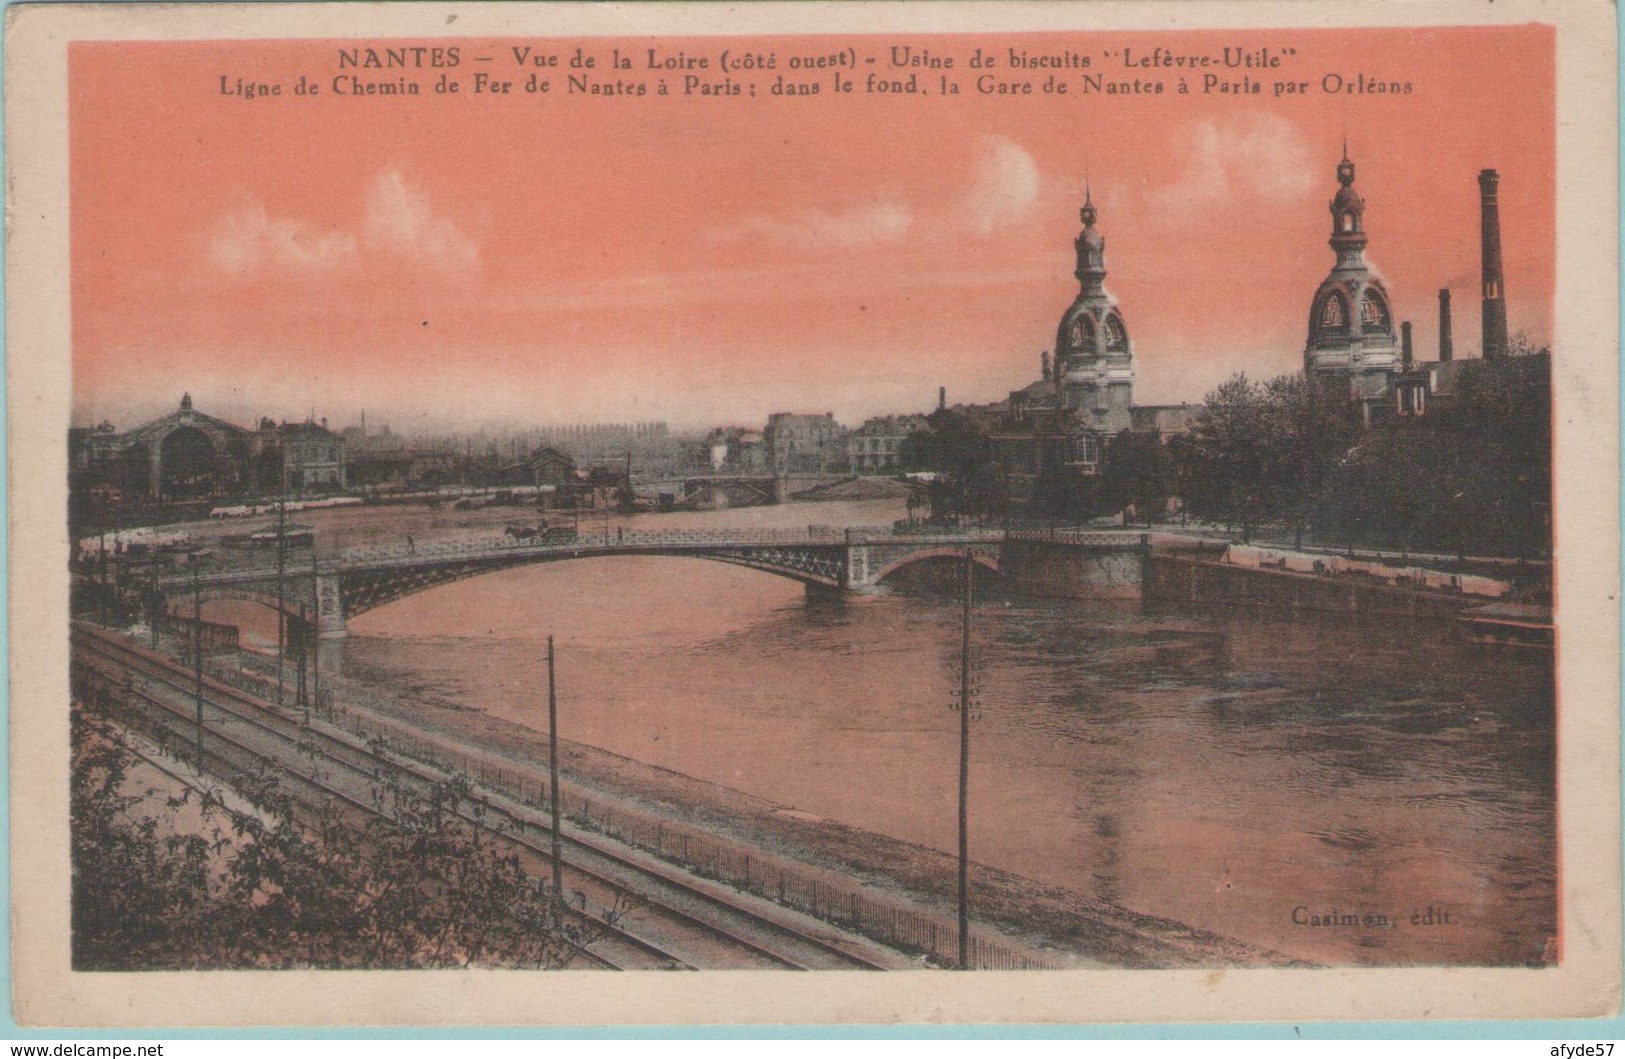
(136, 891)
(962, 457)
(1139, 470)
(1229, 463)
(1311, 426)
(289, 885)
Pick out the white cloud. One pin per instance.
(1004, 187)
(398, 227)
(865, 225)
(398, 220)
(247, 241)
(1253, 157)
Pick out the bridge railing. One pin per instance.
(435, 551)
(508, 544)
(1082, 538)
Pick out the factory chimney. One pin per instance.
(942, 398)
(1405, 346)
(1447, 347)
(1495, 306)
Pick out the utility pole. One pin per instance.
(197, 661)
(156, 606)
(964, 767)
(316, 633)
(553, 777)
(101, 561)
(301, 694)
(281, 617)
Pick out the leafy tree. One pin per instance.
(291, 886)
(1311, 426)
(135, 889)
(1139, 470)
(1227, 476)
(961, 455)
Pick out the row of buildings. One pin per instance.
(190, 455)
(793, 443)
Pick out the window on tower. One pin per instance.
(1373, 313)
(1348, 222)
(1116, 337)
(1333, 315)
(1083, 332)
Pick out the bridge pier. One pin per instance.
(825, 595)
(329, 608)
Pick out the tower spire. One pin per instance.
(1092, 352)
(1351, 330)
(1091, 247)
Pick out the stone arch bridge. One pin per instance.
(335, 589)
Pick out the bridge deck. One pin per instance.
(700, 543)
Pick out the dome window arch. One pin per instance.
(1083, 332)
(1333, 315)
(1374, 313)
(1116, 337)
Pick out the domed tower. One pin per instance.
(1094, 363)
(1351, 321)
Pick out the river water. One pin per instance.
(1246, 775)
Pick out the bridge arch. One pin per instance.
(945, 552)
(180, 604)
(363, 590)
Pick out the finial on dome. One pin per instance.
(186, 402)
(1088, 213)
(1345, 168)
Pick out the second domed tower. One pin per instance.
(1351, 322)
(1094, 362)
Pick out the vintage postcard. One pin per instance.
(1118, 499)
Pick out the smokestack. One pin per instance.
(1405, 346)
(1043, 361)
(1495, 306)
(942, 398)
(1447, 348)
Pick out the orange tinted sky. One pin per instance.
(456, 260)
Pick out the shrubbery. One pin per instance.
(277, 887)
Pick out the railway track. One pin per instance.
(678, 921)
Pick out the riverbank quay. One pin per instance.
(896, 892)
(1182, 571)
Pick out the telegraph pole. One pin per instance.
(964, 768)
(301, 694)
(281, 618)
(316, 633)
(197, 661)
(553, 776)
